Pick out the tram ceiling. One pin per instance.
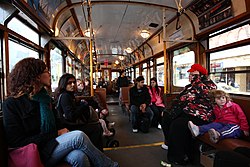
(116, 24)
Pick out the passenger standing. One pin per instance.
(29, 118)
(230, 120)
(195, 105)
(156, 104)
(139, 101)
(76, 112)
(122, 81)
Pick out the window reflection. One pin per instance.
(181, 64)
(56, 67)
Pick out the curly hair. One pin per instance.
(24, 76)
(219, 93)
(62, 84)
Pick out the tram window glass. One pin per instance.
(137, 73)
(114, 75)
(78, 70)
(22, 29)
(231, 36)
(132, 74)
(68, 65)
(56, 60)
(18, 52)
(230, 69)
(160, 71)
(182, 61)
(144, 72)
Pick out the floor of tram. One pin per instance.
(135, 149)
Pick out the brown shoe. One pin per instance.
(214, 135)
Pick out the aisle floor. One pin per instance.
(136, 149)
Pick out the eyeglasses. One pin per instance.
(46, 71)
(70, 82)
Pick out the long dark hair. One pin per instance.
(156, 86)
(23, 78)
(62, 84)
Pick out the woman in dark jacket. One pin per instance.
(76, 112)
(28, 118)
(194, 104)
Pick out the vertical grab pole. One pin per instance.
(164, 49)
(90, 49)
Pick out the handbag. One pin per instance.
(176, 110)
(26, 156)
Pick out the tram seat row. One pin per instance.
(125, 100)
(225, 144)
(101, 92)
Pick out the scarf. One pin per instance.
(47, 116)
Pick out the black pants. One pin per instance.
(180, 141)
(157, 110)
(239, 157)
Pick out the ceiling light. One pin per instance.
(121, 57)
(145, 34)
(116, 62)
(87, 33)
(128, 50)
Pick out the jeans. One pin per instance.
(76, 148)
(136, 113)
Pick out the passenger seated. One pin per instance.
(76, 112)
(106, 125)
(156, 104)
(230, 121)
(29, 118)
(95, 103)
(139, 101)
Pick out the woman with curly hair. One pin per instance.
(29, 118)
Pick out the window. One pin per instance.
(160, 71)
(144, 72)
(56, 67)
(182, 61)
(114, 75)
(18, 52)
(137, 73)
(230, 69)
(23, 30)
(68, 65)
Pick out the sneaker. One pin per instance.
(135, 130)
(193, 128)
(159, 126)
(213, 135)
(164, 146)
(111, 124)
(107, 133)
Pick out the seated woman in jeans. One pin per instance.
(75, 111)
(29, 118)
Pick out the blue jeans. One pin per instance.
(76, 148)
(135, 113)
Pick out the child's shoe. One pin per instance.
(111, 125)
(214, 135)
(193, 128)
(107, 133)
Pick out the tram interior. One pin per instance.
(96, 39)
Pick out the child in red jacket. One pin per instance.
(230, 120)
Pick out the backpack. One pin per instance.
(144, 124)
